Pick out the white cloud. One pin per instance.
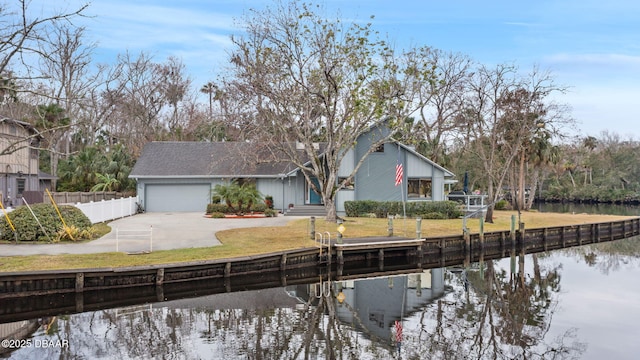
(602, 107)
(611, 59)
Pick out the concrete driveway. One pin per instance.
(161, 231)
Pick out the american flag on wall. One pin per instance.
(399, 170)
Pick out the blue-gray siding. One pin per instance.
(289, 190)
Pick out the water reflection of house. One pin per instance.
(373, 305)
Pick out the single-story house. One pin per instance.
(181, 176)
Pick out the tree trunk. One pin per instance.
(330, 207)
(521, 183)
(492, 198)
(489, 216)
(534, 188)
(573, 182)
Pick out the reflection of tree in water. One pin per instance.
(608, 256)
(499, 317)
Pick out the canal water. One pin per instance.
(577, 303)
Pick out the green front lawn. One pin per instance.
(262, 240)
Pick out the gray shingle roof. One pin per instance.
(202, 159)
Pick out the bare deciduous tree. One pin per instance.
(506, 114)
(21, 37)
(316, 80)
(439, 101)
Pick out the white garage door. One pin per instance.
(177, 197)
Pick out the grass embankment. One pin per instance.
(295, 235)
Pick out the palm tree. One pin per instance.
(209, 88)
(106, 183)
(248, 195)
(243, 196)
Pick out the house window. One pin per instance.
(419, 188)
(379, 148)
(20, 186)
(349, 185)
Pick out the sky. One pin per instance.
(592, 47)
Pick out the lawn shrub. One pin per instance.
(73, 233)
(218, 208)
(434, 216)
(28, 229)
(217, 215)
(502, 205)
(360, 207)
(382, 209)
(270, 213)
(259, 207)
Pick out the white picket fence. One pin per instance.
(105, 210)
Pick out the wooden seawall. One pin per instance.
(384, 256)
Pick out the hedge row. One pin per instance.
(424, 209)
(224, 209)
(28, 229)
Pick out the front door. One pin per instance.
(314, 198)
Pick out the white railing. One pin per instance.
(105, 210)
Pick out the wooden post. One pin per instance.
(418, 228)
(283, 262)
(611, 237)
(159, 276)
(512, 234)
(390, 226)
(79, 302)
(521, 266)
(579, 235)
(381, 259)
(481, 235)
(467, 247)
(443, 244)
(522, 237)
(160, 293)
(227, 270)
(79, 282)
(312, 228)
